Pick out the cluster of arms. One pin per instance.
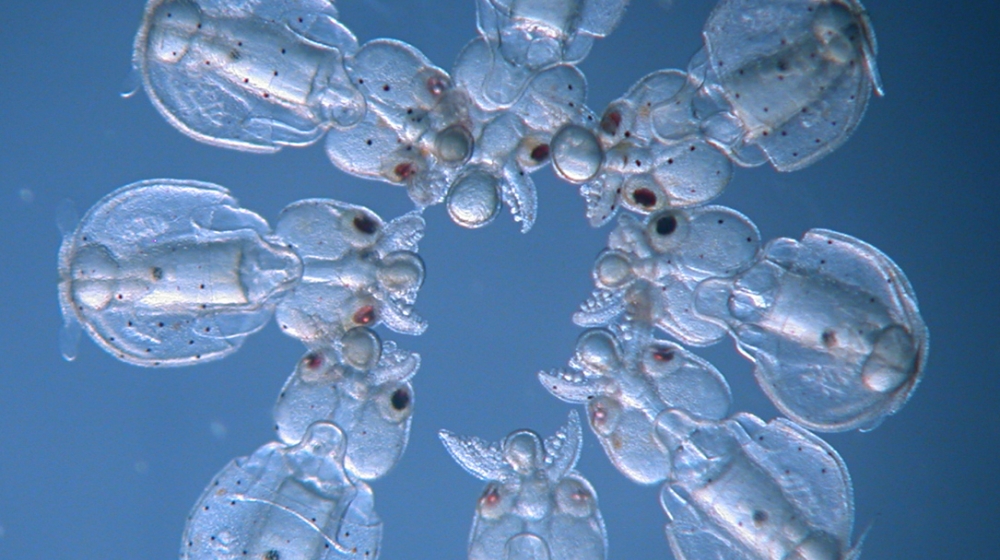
(172, 272)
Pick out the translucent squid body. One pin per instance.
(832, 325)
(417, 132)
(357, 270)
(511, 141)
(253, 76)
(650, 270)
(796, 75)
(527, 36)
(362, 386)
(286, 502)
(655, 156)
(625, 384)
(535, 506)
(745, 490)
(170, 272)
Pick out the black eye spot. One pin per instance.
(644, 197)
(400, 399)
(666, 225)
(272, 555)
(157, 273)
(759, 517)
(365, 224)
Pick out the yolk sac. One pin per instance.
(576, 154)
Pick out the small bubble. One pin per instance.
(218, 429)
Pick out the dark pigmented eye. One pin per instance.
(540, 153)
(666, 225)
(400, 399)
(365, 224)
(644, 197)
(404, 171)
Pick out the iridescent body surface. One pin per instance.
(362, 386)
(291, 502)
(357, 270)
(742, 489)
(169, 272)
(626, 383)
(535, 505)
(832, 325)
(797, 75)
(650, 269)
(253, 76)
(655, 155)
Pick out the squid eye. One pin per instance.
(365, 224)
(400, 399)
(364, 315)
(540, 153)
(610, 122)
(666, 225)
(396, 403)
(662, 355)
(644, 197)
(491, 502)
(604, 415)
(361, 228)
(667, 230)
(661, 360)
(312, 361)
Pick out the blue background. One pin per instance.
(103, 460)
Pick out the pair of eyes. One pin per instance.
(398, 400)
(571, 498)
